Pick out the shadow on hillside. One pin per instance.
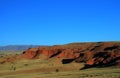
(66, 61)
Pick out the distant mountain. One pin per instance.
(16, 47)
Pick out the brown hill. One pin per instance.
(92, 54)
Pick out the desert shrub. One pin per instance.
(13, 68)
(25, 64)
(57, 70)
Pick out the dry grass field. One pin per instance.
(52, 68)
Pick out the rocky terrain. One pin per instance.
(96, 54)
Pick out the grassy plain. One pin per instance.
(52, 68)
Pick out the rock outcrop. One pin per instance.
(97, 54)
(105, 54)
(50, 52)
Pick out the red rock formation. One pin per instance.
(49, 52)
(30, 53)
(103, 59)
(100, 59)
(92, 54)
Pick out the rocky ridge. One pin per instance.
(98, 54)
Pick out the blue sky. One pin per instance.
(49, 22)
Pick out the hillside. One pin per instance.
(98, 54)
(74, 60)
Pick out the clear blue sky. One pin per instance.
(49, 22)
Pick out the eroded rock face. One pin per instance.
(92, 54)
(107, 54)
(103, 59)
(30, 53)
(50, 52)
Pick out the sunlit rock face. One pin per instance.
(98, 54)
